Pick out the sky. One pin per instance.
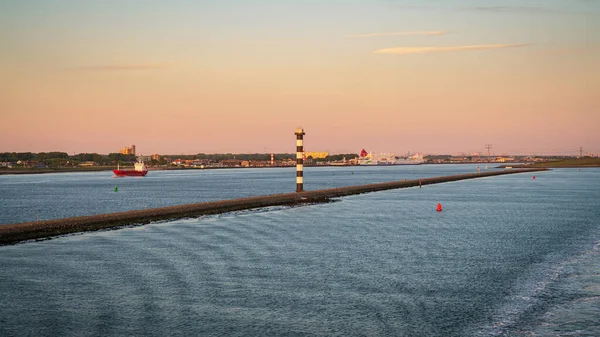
(225, 76)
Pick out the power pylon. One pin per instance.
(488, 147)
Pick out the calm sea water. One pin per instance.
(26, 198)
(509, 255)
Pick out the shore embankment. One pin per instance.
(54, 170)
(20, 171)
(13, 233)
(568, 163)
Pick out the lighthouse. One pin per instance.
(299, 159)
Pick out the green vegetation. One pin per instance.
(580, 162)
(438, 157)
(239, 156)
(55, 160)
(338, 157)
(261, 156)
(62, 161)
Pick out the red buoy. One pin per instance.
(533, 177)
(439, 208)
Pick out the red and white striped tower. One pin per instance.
(272, 160)
(299, 159)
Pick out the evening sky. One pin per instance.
(186, 77)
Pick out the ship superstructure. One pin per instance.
(139, 170)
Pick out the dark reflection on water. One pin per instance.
(508, 255)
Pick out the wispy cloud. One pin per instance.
(126, 66)
(409, 33)
(426, 50)
(513, 9)
(530, 10)
(558, 7)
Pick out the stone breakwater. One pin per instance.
(13, 233)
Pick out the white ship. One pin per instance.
(368, 158)
(414, 159)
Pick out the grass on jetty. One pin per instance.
(582, 162)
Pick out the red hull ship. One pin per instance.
(139, 170)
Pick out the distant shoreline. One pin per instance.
(60, 170)
(99, 169)
(547, 166)
(572, 163)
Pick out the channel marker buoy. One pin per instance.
(439, 208)
(534, 177)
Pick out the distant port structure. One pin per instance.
(316, 155)
(128, 150)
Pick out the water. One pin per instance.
(26, 198)
(508, 256)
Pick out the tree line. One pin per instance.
(61, 158)
(264, 157)
(64, 159)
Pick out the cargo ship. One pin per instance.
(139, 170)
(367, 158)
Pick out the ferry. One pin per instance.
(139, 170)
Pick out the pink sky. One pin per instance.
(186, 78)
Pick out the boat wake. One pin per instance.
(560, 299)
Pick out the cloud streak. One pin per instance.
(409, 33)
(528, 10)
(428, 50)
(115, 67)
(514, 9)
